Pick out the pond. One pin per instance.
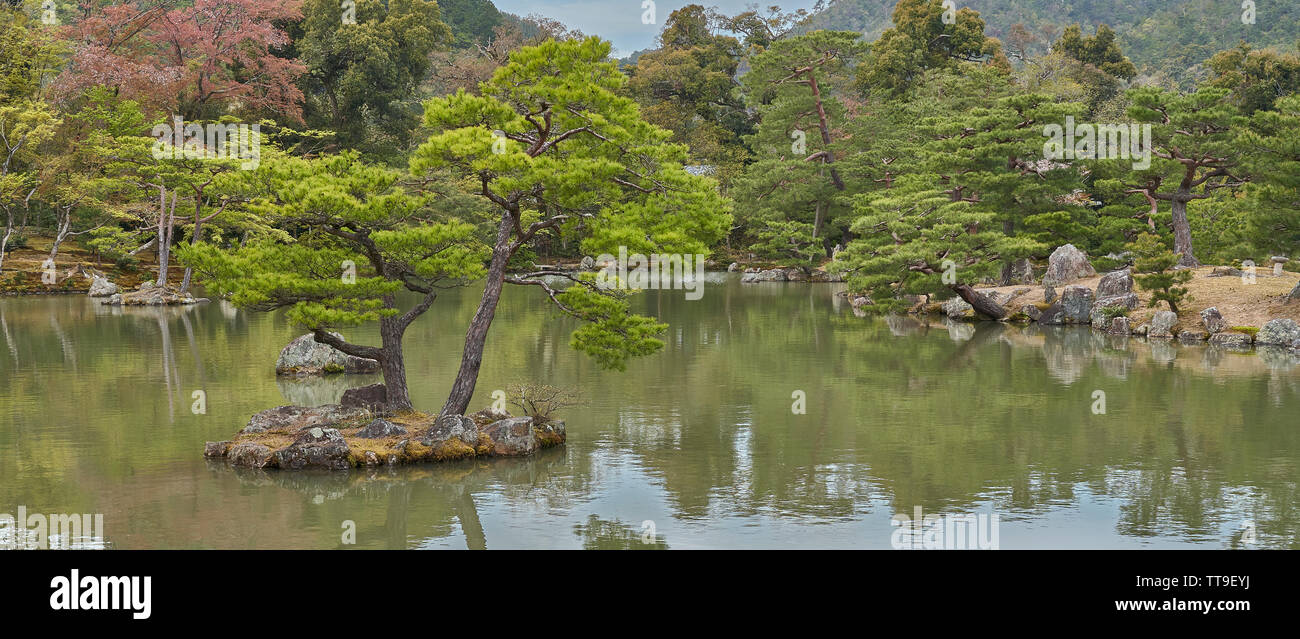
(773, 418)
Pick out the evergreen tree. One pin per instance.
(1152, 265)
(365, 238)
(556, 147)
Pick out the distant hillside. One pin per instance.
(470, 20)
(1173, 37)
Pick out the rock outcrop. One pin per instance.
(150, 295)
(320, 448)
(1279, 332)
(1162, 324)
(1119, 326)
(299, 438)
(512, 437)
(1235, 341)
(373, 398)
(957, 308)
(1115, 283)
(381, 428)
(1067, 264)
(291, 419)
(101, 287)
(1076, 302)
(1213, 321)
(1126, 301)
(305, 356)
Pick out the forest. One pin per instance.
(349, 161)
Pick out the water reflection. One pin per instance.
(1196, 441)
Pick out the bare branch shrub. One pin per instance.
(541, 401)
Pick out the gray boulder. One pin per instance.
(1162, 324)
(1294, 294)
(322, 448)
(1119, 326)
(588, 263)
(1115, 283)
(1049, 294)
(1022, 271)
(1053, 315)
(1031, 311)
(1234, 341)
(1279, 332)
(1142, 330)
(101, 287)
(449, 427)
(249, 455)
(1066, 265)
(512, 437)
(380, 429)
(373, 398)
(1191, 336)
(1225, 271)
(305, 356)
(1077, 304)
(1213, 320)
(291, 419)
(216, 449)
(1128, 301)
(957, 308)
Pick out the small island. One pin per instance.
(349, 435)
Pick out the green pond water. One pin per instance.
(698, 446)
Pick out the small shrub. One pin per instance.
(541, 401)
(16, 242)
(1111, 312)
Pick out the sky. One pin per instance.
(619, 21)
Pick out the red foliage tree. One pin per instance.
(197, 60)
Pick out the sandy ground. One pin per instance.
(1241, 304)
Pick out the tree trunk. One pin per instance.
(165, 221)
(980, 302)
(198, 234)
(1008, 227)
(1183, 233)
(393, 364)
(4, 241)
(825, 128)
(817, 218)
(63, 225)
(462, 390)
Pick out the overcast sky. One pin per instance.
(619, 21)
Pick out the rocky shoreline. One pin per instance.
(353, 434)
(1110, 307)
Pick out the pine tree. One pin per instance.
(366, 238)
(556, 147)
(1153, 263)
